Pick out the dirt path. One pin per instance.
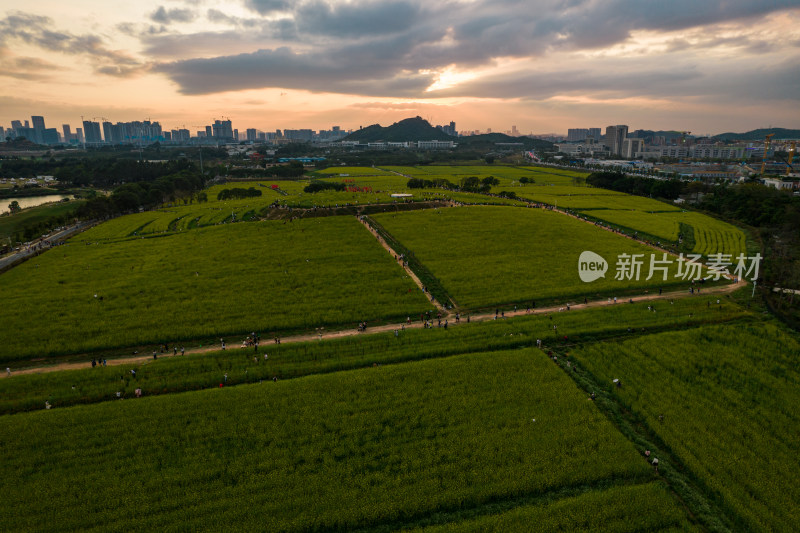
(408, 270)
(414, 324)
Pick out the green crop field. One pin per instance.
(728, 396)
(492, 255)
(617, 509)
(376, 447)
(266, 276)
(485, 422)
(205, 370)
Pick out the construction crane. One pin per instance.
(767, 143)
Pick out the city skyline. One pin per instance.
(711, 67)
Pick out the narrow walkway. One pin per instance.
(722, 289)
(408, 270)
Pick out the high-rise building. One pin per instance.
(615, 135)
(222, 130)
(449, 129)
(38, 123)
(236, 135)
(49, 136)
(631, 146)
(209, 132)
(79, 134)
(107, 133)
(67, 132)
(595, 133)
(577, 134)
(15, 125)
(92, 132)
(252, 134)
(2, 134)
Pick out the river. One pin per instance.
(31, 201)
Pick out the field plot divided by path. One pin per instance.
(728, 395)
(260, 276)
(379, 446)
(494, 255)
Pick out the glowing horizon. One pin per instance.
(711, 67)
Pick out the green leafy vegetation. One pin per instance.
(370, 448)
(722, 399)
(485, 256)
(268, 276)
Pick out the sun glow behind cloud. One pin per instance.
(273, 62)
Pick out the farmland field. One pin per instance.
(728, 396)
(266, 276)
(491, 255)
(495, 419)
(197, 371)
(375, 447)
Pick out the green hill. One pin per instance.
(410, 129)
(487, 141)
(759, 134)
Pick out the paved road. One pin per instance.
(41, 245)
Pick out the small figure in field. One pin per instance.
(183, 350)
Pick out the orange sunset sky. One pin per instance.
(706, 66)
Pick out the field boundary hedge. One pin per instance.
(430, 281)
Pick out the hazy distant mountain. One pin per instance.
(410, 129)
(759, 135)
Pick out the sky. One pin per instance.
(705, 66)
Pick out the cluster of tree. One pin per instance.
(317, 186)
(419, 183)
(102, 172)
(476, 184)
(617, 181)
(525, 179)
(185, 186)
(511, 195)
(293, 169)
(773, 213)
(227, 194)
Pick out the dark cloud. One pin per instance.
(634, 79)
(168, 16)
(357, 19)
(265, 7)
(373, 47)
(284, 68)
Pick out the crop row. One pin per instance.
(266, 276)
(723, 399)
(490, 255)
(379, 446)
(292, 360)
